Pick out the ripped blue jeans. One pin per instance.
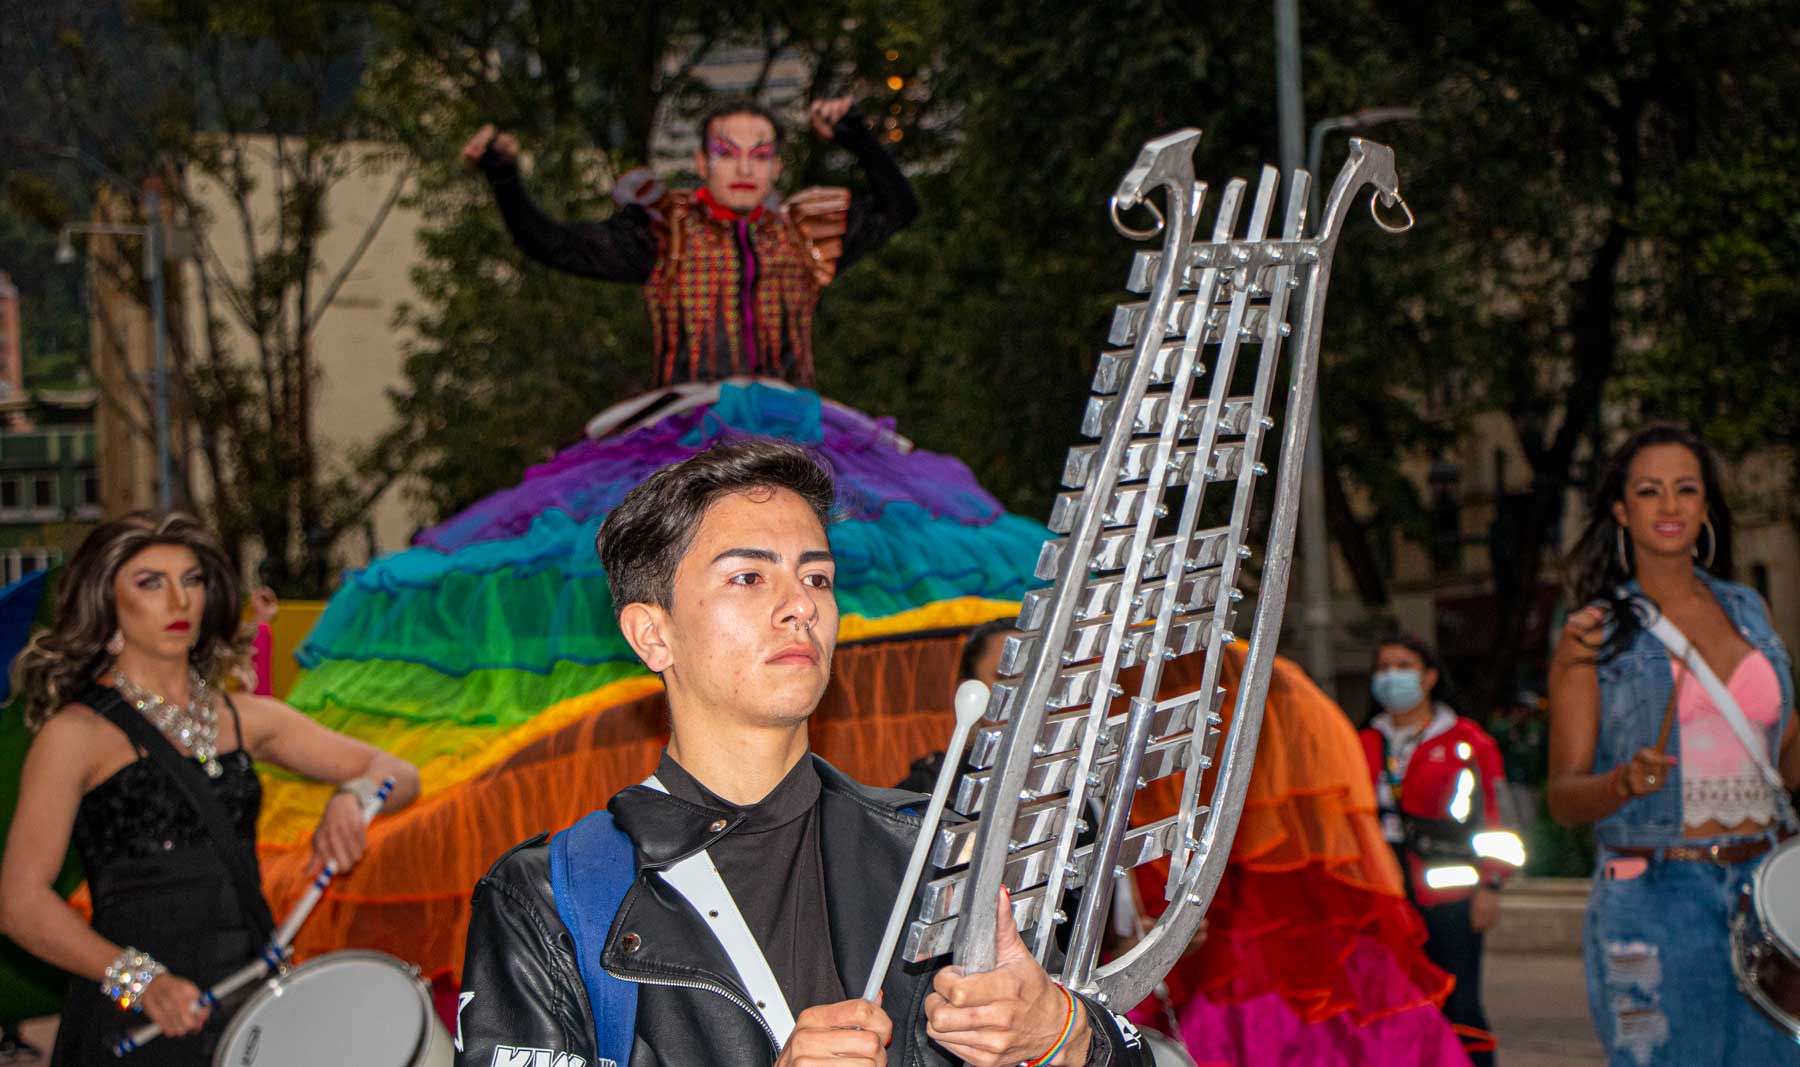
(1659, 971)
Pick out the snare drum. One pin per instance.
(351, 1009)
(1765, 938)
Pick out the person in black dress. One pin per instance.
(149, 609)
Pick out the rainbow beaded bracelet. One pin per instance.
(1068, 1028)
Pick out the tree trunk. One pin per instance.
(1352, 540)
(1594, 353)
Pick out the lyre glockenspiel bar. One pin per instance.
(1154, 533)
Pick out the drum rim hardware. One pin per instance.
(277, 986)
(1747, 959)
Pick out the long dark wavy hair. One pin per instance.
(1595, 564)
(61, 661)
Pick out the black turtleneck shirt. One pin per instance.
(772, 866)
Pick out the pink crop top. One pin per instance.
(1720, 782)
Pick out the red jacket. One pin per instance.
(1441, 807)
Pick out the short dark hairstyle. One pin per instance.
(739, 105)
(977, 642)
(642, 541)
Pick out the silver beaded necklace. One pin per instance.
(194, 726)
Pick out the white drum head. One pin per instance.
(1777, 888)
(348, 1009)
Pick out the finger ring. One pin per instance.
(1649, 779)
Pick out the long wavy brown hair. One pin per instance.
(61, 661)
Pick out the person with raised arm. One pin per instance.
(731, 274)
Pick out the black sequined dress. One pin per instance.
(159, 885)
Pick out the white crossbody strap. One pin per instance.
(699, 883)
(1683, 650)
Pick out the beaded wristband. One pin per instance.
(1068, 1028)
(128, 976)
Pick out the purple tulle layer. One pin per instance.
(867, 459)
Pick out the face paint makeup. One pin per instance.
(761, 152)
(739, 161)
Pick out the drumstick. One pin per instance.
(971, 701)
(1668, 723)
(270, 958)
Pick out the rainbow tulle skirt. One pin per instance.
(487, 653)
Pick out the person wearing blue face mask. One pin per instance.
(1439, 783)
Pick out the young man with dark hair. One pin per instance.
(762, 876)
(731, 276)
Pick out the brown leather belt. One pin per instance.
(1723, 855)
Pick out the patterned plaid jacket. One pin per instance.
(726, 296)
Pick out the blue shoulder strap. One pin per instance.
(592, 865)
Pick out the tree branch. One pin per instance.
(362, 246)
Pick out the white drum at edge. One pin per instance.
(355, 1008)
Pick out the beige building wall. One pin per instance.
(1766, 524)
(357, 349)
(121, 346)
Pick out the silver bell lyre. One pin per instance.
(1157, 534)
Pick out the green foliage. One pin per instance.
(1727, 361)
(260, 98)
(997, 300)
(52, 319)
(506, 359)
(1556, 851)
(1605, 194)
(1544, 136)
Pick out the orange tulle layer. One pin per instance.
(888, 704)
(1310, 872)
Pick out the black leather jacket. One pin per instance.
(522, 988)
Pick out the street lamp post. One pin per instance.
(1315, 573)
(152, 235)
(1314, 542)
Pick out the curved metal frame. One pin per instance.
(1135, 586)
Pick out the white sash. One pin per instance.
(699, 883)
(1685, 652)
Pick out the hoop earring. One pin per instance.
(1624, 560)
(1712, 543)
(115, 644)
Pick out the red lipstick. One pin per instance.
(180, 626)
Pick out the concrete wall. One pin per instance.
(358, 350)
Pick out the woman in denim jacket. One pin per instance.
(1681, 815)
